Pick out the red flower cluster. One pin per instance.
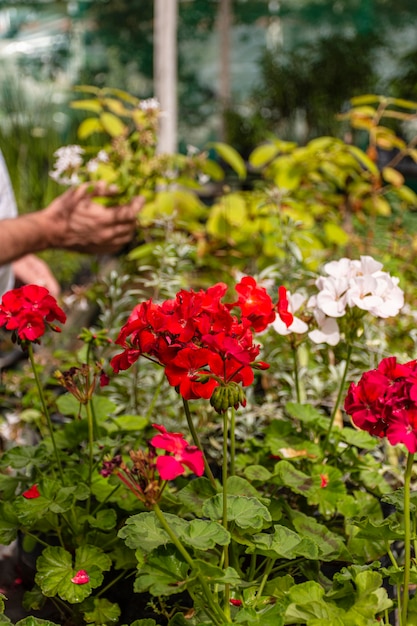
(197, 339)
(384, 402)
(28, 310)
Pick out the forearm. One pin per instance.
(23, 235)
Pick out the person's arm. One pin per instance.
(72, 221)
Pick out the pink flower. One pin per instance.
(80, 578)
(31, 493)
(181, 455)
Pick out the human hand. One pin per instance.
(30, 269)
(75, 221)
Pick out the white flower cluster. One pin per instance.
(360, 283)
(68, 161)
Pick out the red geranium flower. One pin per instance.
(28, 310)
(384, 402)
(31, 493)
(181, 456)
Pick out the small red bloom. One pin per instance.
(282, 307)
(255, 303)
(183, 455)
(324, 481)
(31, 493)
(80, 578)
(235, 602)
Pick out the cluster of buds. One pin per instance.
(227, 396)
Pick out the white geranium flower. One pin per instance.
(295, 301)
(331, 298)
(362, 293)
(391, 296)
(327, 331)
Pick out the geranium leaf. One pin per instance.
(102, 612)
(163, 573)
(143, 531)
(245, 512)
(55, 571)
(205, 535)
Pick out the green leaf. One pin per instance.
(163, 574)
(283, 543)
(335, 234)
(112, 124)
(307, 414)
(104, 520)
(102, 612)
(131, 422)
(330, 545)
(246, 513)
(144, 531)
(195, 493)
(231, 157)
(9, 523)
(35, 621)
(87, 105)
(55, 571)
(289, 476)
(262, 155)
(257, 473)
(89, 126)
(205, 535)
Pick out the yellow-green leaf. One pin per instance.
(89, 126)
(392, 176)
(286, 174)
(364, 159)
(231, 157)
(262, 155)
(335, 234)
(87, 105)
(112, 124)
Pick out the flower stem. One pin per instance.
(232, 441)
(407, 539)
(225, 521)
(296, 377)
(45, 410)
(339, 397)
(197, 442)
(220, 617)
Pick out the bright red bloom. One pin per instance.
(31, 493)
(282, 307)
(181, 455)
(235, 602)
(28, 310)
(255, 303)
(197, 339)
(384, 402)
(80, 578)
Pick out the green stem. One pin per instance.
(232, 441)
(225, 521)
(265, 577)
(339, 397)
(296, 377)
(45, 410)
(197, 442)
(214, 608)
(90, 422)
(407, 538)
(149, 412)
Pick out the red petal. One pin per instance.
(80, 578)
(32, 492)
